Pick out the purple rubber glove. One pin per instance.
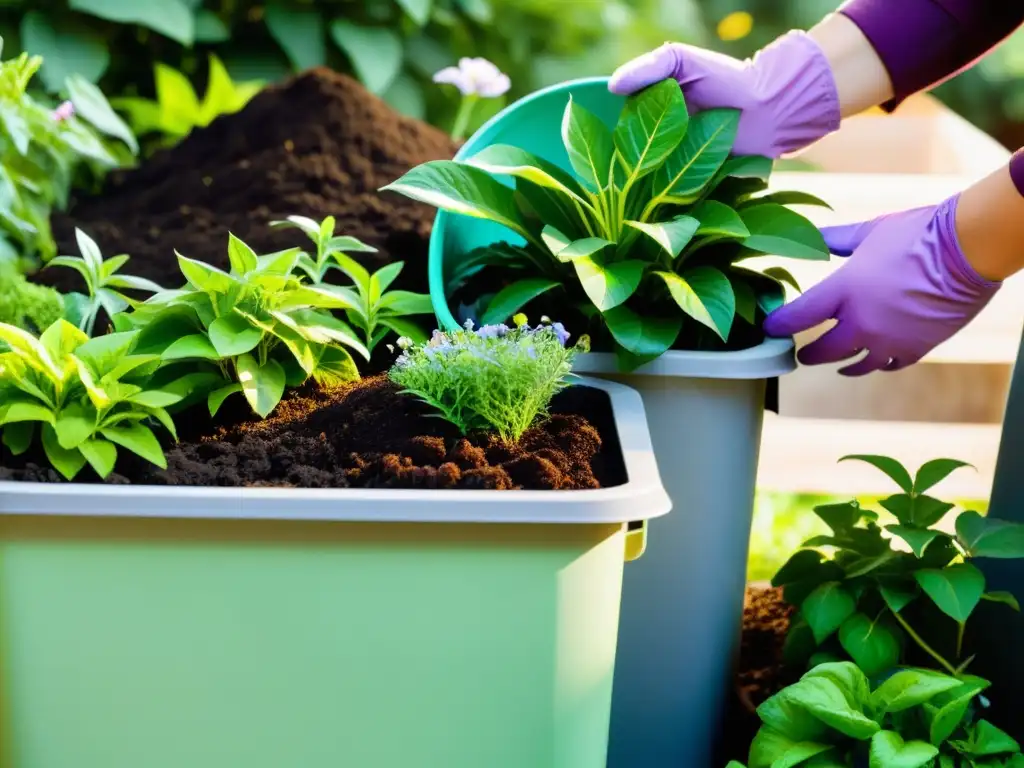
(787, 91)
(906, 289)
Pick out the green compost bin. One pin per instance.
(146, 627)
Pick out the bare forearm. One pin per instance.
(862, 80)
(990, 225)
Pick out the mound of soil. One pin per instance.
(316, 145)
(367, 435)
(760, 672)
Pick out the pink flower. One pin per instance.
(475, 77)
(64, 112)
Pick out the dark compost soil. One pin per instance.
(760, 672)
(366, 435)
(316, 145)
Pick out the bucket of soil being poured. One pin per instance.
(373, 592)
(682, 601)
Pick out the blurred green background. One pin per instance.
(395, 45)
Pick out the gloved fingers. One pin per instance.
(836, 344)
(844, 239)
(651, 67)
(818, 304)
(872, 361)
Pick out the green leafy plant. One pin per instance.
(177, 110)
(493, 378)
(380, 311)
(103, 282)
(44, 151)
(81, 398)
(258, 328)
(854, 602)
(916, 718)
(24, 304)
(649, 232)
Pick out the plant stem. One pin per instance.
(924, 646)
(583, 217)
(960, 627)
(462, 116)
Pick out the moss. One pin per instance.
(24, 304)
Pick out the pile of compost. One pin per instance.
(367, 435)
(316, 145)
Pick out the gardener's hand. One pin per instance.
(906, 288)
(787, 92)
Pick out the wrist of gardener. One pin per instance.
(990, 222)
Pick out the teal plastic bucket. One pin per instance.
(534, 124)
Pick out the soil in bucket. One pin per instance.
(367, 435)
(318, 144)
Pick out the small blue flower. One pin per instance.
(492, 331)
(561, 333)
(468, 325)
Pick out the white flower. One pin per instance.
(404, 342)
(475, 77)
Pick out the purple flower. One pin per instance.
(561, 333)
(475, 77)
(64, 112)
(492, 331)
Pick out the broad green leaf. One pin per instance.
(156, 398)
(779, 231)
(68, 462)
(783, 275)
(62, 339)
(989, 537)
(773, 749)
(921, 511)
(404, 328)
(15, 410)
(584, 248)
(18, 437)
(849, 678)
(910, 688)
(321, 297)
(889, 750)
(840, 517)
(514, 297)
(138, 439)
(263, 386)
(382, 279)
(101, 455)
(987, 740)
(706, 295)
(826, 608)
(75, 424)
(233, 335)
(504, 159)
(542, 206)
(133, 283)
(608, 284)
(242, 257)
(896, 471)
(97, 394)
(869, 563)
(375, 52)
(281, 263)
(871, 645)
(216, 398)
(92, 106)
(651, 127)
(748, 167)
(746, 299)
(1006, 598)
(788, 198)
(205, 277)
(803, 564)
(672, 235)
(68, 51)
(917, 538)
(195, 346)
(697, 160)
(460, 189)
(335, 367)
(304, 351)
(589, 144)
(210, 28)
(956, 590)
(348, 244)
(556, 240)
(221, 96)
(642, 335)
(950, 709)
(179, 105)
(718, 219)
(830, 703)
(405, 303)
(934, 472)
(171, 18)
(418, 10)
(299, 31)
(322, 328)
